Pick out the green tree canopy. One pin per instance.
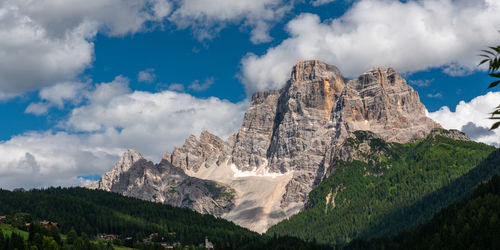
(492, 57)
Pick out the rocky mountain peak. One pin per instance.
(128, 159)
(196, 152)
(309, 70)
(386, 78)
(382, 102)
(291, 139)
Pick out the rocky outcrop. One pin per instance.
(137, 177)
(380, 101)
(289, 141)
(452, 133)
(360, 146)
(128, 159)
(197, 152)
(252, 141)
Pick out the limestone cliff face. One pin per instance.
(137, 177)
(197, 152)
(289, 141)
(380, 101)
(128, 159)
(252, 141)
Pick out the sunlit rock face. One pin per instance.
(380, 101)
(137, 177)
(287, 144)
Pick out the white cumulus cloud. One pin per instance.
(472, 118)
(197, 86)
(45, 42)
(57, 96)
(435, 95)
(409, 36)
(147, 75)
(112, 119)
(49, 159)
(207, 18)
(321, 2)
(152, 123)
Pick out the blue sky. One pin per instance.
(81, 82)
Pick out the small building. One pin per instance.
(166, 245)
(3, 219)
(107, 236)
(151, 237)
(208, 244)
(49, 224)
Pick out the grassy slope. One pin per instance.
(400, 188)
(8, 230)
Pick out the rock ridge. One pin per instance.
(288, 142)
(137, 177)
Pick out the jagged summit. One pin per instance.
(313, 69)
(289, 141)
(128, 159)
(380, 75)
(382, 102)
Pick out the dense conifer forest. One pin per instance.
(85, 213)
(398, 186)
(472, 223)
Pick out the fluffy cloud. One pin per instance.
(197, 86)
(113, 119)
(57, 96)
(320, 2)
(421, 82)
(30, 59)
(435, 95)
(147, 75)
(472, 118)
(475, 132)
(45, 42)
(38, 108)
(114, 17)
(50, 159)
(152, 122)
(207, 18)
(176, 87)
(409, 36)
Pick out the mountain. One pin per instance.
(290, 140)
(137, 177)
(471, 223)
(383, 188)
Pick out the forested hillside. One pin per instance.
(397, 186)
(472, 223)
(394, 187)
(94, 211)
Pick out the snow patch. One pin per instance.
(261, 171)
